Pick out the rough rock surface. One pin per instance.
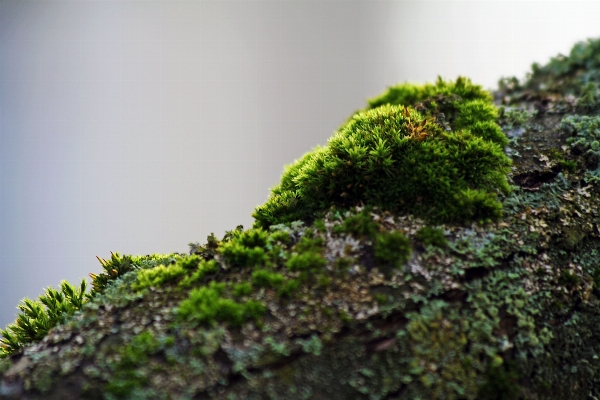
(505, 310)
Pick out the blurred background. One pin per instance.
(141, 126)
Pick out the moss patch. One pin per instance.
(433, 150)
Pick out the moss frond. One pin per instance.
(37, 317)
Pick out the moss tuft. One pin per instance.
(204, 268)
(360, 225)
(432, 236)
(267, 279)
(392, 249)
(37, 317)
(157, 276)
(441, 159)
(115, 267)
(207, 305)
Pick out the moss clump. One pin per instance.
(392, 249)
(157, 276)
(115, 267)
(432, 237)
(360, 225)
(433, 150)
(267, 279)
(246, 248)
(37, 317)
(242, 289)
(307, 255)
(203, 269)
(207, 305)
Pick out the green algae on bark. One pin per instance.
(503, 310)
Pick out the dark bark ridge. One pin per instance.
(504, 310)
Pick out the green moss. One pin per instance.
(115, 267)
(319, 225)
(432, 236)
(157, 276)
(289, 287)
(360, 225)
(204, 268)
(401, 157)
(280, 236)
(239, 255)
(37, 317)
(392, 249)
(569, 165)
(308, 261)
(268, 279)
(242, 289)
(207, 305)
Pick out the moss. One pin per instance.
(432, 236)
(569, 74)
(505, 310)
(203, 269)
(207, 305)
(115, 267)
(157, 276)
(401, 159)
(319, 225)
(267, 279)
(308, 261)
(280, 236)
(289, 287)
(37, 317)
(242, 289)
(240, 255)
(360, 225)
(392, 249)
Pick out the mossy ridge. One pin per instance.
(441, 159)
(54, 307)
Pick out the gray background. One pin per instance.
(141, 126)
